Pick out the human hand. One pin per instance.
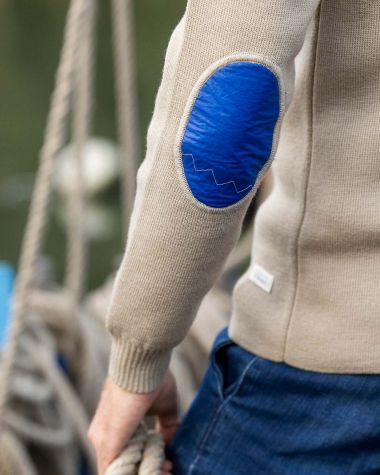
(119, 413)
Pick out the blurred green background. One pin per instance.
(30, 41)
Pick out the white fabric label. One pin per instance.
(261, 278)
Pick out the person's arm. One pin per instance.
(227, 81)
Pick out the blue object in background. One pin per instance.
(229, 135)
(7, 277)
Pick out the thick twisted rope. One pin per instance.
(14, 458)
(82, 109)
(52, 417)
(143, 455)
(144, 450)
(36, 224)
(127, 115)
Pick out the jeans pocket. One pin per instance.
(229, 362)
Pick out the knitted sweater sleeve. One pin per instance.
(227, 81)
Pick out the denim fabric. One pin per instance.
(253, 416)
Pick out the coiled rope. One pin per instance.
(37, 219)
(145, 450)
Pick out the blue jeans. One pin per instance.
(253, 416)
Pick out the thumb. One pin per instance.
(167, 425)
(166, 408)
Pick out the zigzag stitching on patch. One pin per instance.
(213, 174)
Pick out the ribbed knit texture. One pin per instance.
(317, 233)
(138, 368)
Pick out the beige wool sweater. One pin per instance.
(234, 100)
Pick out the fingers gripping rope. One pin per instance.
(143, 455)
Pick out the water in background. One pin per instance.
(30, 41)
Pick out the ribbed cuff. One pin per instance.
(135, 368)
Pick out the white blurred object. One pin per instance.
(101, 167)
(101, 220)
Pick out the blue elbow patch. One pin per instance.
(229, 134)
